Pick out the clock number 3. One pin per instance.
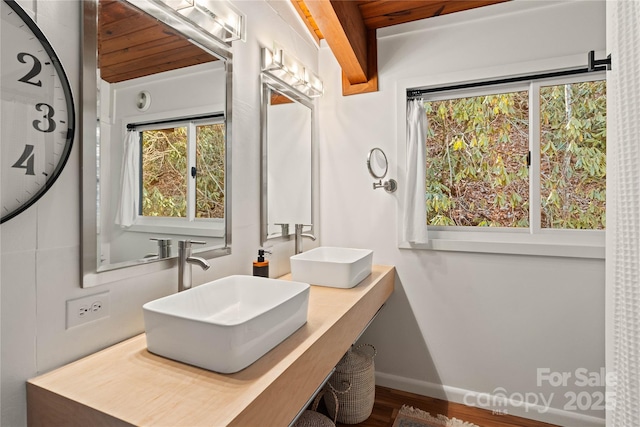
(35, 69)
(48, 114)
(26, 160)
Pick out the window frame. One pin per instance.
(533, 240)
(190, 224)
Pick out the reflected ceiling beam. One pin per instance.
(343, 27)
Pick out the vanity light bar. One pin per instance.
(288, 69)
(216, 17)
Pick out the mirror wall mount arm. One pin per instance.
(390, 185)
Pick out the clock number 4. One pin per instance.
(26, 160)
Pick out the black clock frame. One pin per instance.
(66, 87)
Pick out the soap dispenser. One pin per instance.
(261, 266)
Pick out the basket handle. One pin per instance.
(331, 390)
(346, 390)
(371, 348)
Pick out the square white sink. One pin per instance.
(225, 325)
(333, 267)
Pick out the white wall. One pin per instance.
(40, 248)
(463, 322)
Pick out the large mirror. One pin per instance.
(156, 144)
(287, 121)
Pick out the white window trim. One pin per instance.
(534, 241)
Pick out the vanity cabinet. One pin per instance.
(125, 385)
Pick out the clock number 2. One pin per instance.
(35, 69)
(26, 160)
(48, 120)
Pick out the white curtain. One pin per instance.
(623, 206)
(415, 213)
(129, 181)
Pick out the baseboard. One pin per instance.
(466, 397)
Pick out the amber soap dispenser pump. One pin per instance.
(261, 266)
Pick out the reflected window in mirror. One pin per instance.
(180, 178)
(182, 174)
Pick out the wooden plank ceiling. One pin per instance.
(348, 26)
(132, 44)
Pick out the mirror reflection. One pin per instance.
(287, 121)
(377, 163)
(161, 146)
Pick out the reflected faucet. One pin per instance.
(299, 236)
(164, 248)
(185, 259)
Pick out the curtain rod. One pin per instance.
(593, 66)
(132, 126)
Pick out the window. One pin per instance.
(182, 171)
(573, 155)
(477, 150)
(526, 161)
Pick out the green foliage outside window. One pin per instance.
(573, 136)
(477, 149)
(210, 165)
(164, 172)
(476, 161)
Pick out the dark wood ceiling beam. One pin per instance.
(371, 85)
(344, 30)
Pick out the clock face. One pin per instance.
(37, 115)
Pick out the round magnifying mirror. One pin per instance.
(377, 163)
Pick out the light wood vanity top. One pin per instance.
(126, 385)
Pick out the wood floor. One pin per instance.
(389, 401)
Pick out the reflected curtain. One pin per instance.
(415, 208)
(129, 181)
(623, 204)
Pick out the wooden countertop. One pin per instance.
(126, 385)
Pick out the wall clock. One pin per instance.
(37, 113)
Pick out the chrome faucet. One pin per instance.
(299, 236)
(185, 259)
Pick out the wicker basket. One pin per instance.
(311, 418)
(357, 369)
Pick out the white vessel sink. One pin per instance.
(225, 325)
(334, 267)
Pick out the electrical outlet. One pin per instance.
(87, 309)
